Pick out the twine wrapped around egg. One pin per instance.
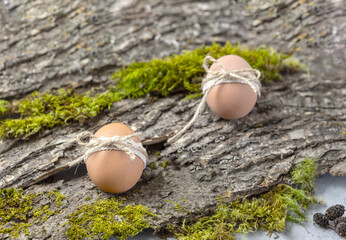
(115, 143)
(247, 76)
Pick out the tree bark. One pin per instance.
(79, 44)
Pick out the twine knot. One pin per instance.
(115, 143)
(247, 76)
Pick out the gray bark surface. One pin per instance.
(79, 44)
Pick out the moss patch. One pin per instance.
(178, 207)
(3, 106)
(185, 71)
(41, 111)
(162, 77)
(153, 166)
(106, 218)
(164, 164)
(268, 211)
(18, 211)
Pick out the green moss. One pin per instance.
(14, 211)
(305, 175)
(165, 76)
(158, 154)
(42, 213)
(153, 166)
(49, 109)
(185, 71)
(177, 206)
(106, 218)
(292, 64)
(212, 227)
(18, 211)
(3, 106)
(164, 164)
(268, 211)
(57, 197)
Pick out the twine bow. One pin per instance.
(247, 76)
(122, 143)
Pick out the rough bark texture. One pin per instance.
(79, 44)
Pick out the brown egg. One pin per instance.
(114, 171)
(231, 100)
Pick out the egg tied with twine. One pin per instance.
(114, 157)
(246, 76)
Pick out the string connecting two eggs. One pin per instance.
(115, 157)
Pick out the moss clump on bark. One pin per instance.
(3, 106)
(304, 176)
(181, 72)
(105, 218)
(42, 111)
(18, 211)
(185, 71)
(268, 211)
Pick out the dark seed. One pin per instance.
(339, 220)
(321, 220)
(341, 229)
(335, 211)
